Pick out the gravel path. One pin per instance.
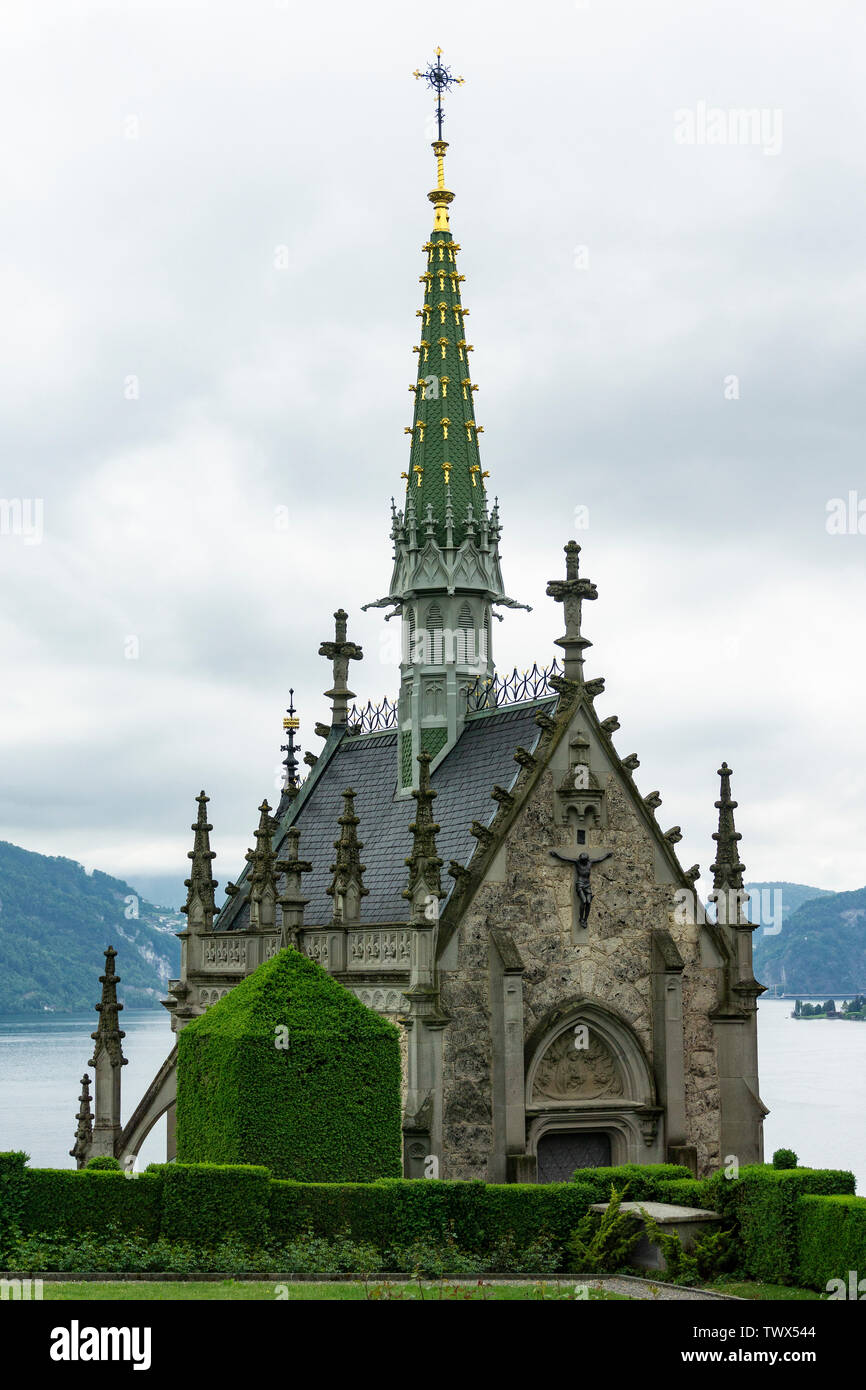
(647, 1289)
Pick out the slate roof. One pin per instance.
(481, 758)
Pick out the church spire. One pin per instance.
(446, 578)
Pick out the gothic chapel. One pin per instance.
(476, 861)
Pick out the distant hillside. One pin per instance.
(821, 948)
(789, 895)
(55, 923)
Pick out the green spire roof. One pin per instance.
(444, 469)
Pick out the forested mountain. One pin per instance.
(821, 949)
(55, 923)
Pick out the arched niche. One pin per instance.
(584, 1053)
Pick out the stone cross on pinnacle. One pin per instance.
(571, 592)
(340, 652)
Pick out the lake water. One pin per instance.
(813, 1078)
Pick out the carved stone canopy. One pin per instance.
(569, 1072)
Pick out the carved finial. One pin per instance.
(201, 884)
(80, 1150)
(425, 885)
(347, 886)
(108, 1036)
(292, 901)
(340, 652)
(263, 874)
(728, 870)
(291, 723)
(571, 592)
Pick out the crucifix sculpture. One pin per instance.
(582, 864)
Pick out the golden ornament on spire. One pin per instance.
(440, 79)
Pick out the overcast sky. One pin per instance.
(212, 219)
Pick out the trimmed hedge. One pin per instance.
(764, 1201)
(12, 1194)
(61, 1199)
(204, 1202)
(475, 1214)
(324, 1107)
(832, 1239)
(644, 1179)
(686, 1192)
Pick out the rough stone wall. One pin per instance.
(611, 962)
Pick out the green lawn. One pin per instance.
(140, 1290)
(769, 1293)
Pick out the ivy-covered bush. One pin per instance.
(832, 1239)
(63, 1200)
(763, 1201)
(291, 1070)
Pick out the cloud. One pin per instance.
(227, 203)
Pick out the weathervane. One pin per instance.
(439, 78)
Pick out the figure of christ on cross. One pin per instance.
(582, 887)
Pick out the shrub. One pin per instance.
(643, 1179)
(685, 1192)
(475, 1215)
(605, 1240)
(63, 1200)
(832, 1239)
(763, 1201)
(713, 1252)
(784, 1158)
(326, 1107)
(104, 1161)
(206, 1202)
(13, 1178)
